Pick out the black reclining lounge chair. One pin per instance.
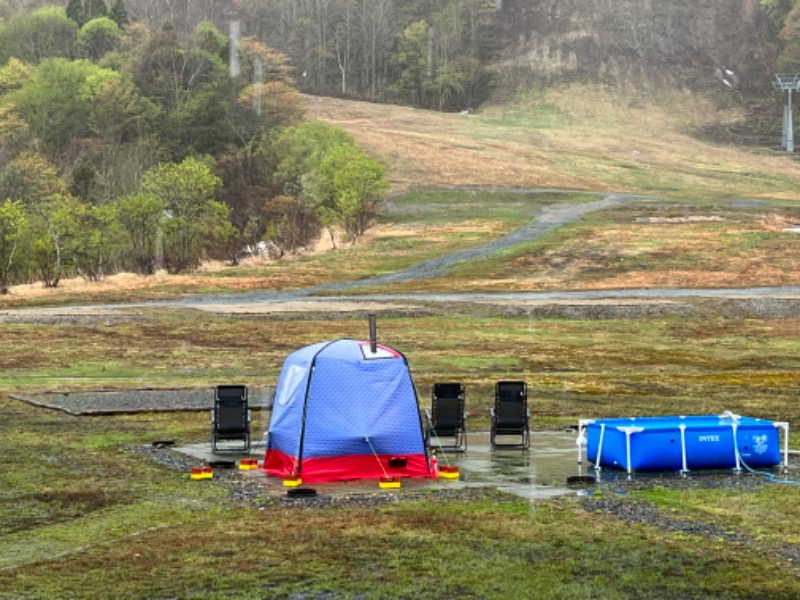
(510, 415)
(447, 418)
(230, 419)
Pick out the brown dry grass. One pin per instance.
(679, 251)
(121, 283)
(594, 141)
(427, 148)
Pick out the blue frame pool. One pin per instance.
(683, 443)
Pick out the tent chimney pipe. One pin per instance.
(373, 334)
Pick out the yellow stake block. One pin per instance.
(452, 475)
(292, 482)
(248, 464)
(386, 485)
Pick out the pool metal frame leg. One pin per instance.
(629, 431)
(684, 462)
(597, 466)
(580, 441)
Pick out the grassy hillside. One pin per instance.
(580, 137)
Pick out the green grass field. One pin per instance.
(84, 516)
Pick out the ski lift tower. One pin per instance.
(787, 82)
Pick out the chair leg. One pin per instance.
(245, 439)
(524, 442)
(459, 443)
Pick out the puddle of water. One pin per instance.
(536, 473)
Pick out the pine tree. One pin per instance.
(95, 9)
(789, 59)
(75, 12)
(119, 14)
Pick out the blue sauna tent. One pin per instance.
(342, 411)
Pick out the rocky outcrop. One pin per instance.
(696, 44)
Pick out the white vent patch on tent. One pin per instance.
(380, 351)
(294, 377)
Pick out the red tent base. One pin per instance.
(343, 468)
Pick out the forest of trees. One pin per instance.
(138, 135)
(129, 148)
(432, 54)
(785, 17)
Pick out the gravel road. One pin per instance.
(102, 402)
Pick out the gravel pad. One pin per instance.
(132, 401)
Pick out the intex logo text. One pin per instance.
(709, 438)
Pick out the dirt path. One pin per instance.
(547, 220)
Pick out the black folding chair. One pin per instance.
(447, 418)
(230, 419)
(510, 415)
